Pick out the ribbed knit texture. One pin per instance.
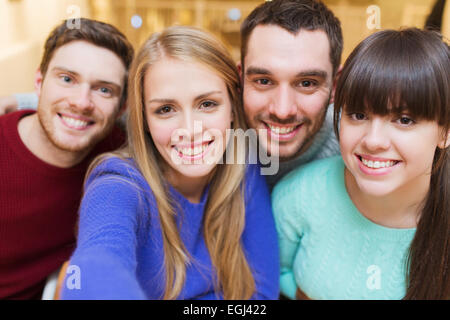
(119, 249)
(324, 145)
(328, 248)
(38, 211)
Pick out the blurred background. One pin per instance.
(25, 24)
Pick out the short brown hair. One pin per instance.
(98, 33)
(294, 15)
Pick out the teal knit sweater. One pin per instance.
(328, 248)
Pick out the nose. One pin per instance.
(283, 105)
(81, 98)
(189, 129)
(377, 135)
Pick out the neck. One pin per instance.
(400, 209)
(36, 140)
(191, 188)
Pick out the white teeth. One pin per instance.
(281, 130)
(79, 124)
(377, 164)
(193, 151)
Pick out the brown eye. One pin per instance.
(263, 81)
(164, 110)
(405, 121)
(358, 116)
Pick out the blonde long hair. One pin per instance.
(224, 217)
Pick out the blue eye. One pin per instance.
(66, 79)
(105, 90)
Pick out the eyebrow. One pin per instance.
(306, 73)
(172, 101)
(58, 69)
(257, 70)
(313, 73)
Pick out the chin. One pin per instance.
(289, 153)
(193, 171)
(375, 189)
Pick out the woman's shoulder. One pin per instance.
(115, 168)
(115, 165)
(120, 178)
(308, 177)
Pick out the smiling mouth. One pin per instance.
(377, 164)
(74, 123)
(193, 151)
(283, 131)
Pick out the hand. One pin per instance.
(7, 104)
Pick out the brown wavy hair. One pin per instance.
(224, 217)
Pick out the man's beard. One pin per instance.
(309, 138)
(45, 120)
(307, 142)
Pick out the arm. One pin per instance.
(106, 246)
(259, 237)
(289, 237)
(18, 101)
(7, 104)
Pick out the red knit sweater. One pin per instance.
(38, 211)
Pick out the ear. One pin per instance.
(122, 109)
(445, 140)
(38, 80)
(335, 80)
(241, 78)
(239, 67)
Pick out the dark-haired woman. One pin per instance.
(374, 223)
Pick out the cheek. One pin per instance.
(161, 132)
(216, 126)
(108, 107)
(348, 139)
(255, 102)
(315, 103)
(418, 149)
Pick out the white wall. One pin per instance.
(24, 26)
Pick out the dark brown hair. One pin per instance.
(98, 33)
(391, 72)
(294, 15)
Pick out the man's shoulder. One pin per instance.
(113, 141)
(14, 117)
(9, 130)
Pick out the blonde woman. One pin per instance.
(167, 217)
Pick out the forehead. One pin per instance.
(171, 78)
(272, 47)
(89, 61)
